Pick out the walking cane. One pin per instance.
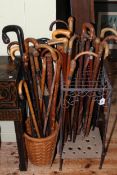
(55, 94)
(63, 50)
(20, 36)
(94, 85)
(49, 67)
(20, 87)
(31, 61)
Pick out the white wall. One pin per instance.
(34, 16)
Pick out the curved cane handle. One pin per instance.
(20, 35)
(88, 26)
(27, 48)
(63, 32)
(110, 37)
(71, 24)
(107, 29)
(12, 52)
(20, 87)
(57, 21)
(59, 41)
(10, 45)
(85, 53)
(50, 49)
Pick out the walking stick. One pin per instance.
(45, 53)
(31, 61)
(20, 87)
(55, 94)
(94, 84)
(20, 36)
(63, 50)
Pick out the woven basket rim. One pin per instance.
(44, 139)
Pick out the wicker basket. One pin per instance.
(40, 150)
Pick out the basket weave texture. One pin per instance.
(40, 150)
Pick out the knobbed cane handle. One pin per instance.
(85, 28)
(107, 29)
(71, 24)
(62, 32)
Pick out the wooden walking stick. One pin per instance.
(88, 35)
(55, 94)
(34, 78)
(94, 84)
(20, 87)
(45, 53)
(63, 50)
(20, 35)
(62, 46)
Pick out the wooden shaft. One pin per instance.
(55, 94)
(23, 83)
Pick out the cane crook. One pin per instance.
(12, 52)
(20, 36)
(107, 29)
(58, 21)
(85, 28)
